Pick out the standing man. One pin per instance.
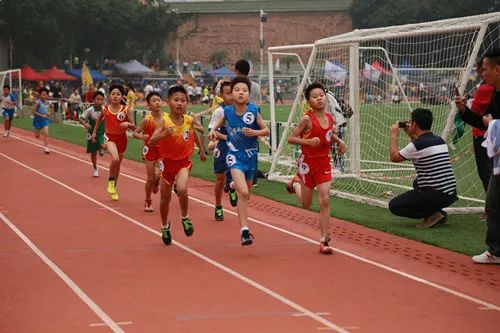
(435, 185)
(491, 75)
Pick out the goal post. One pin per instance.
(13, 78)
(380, 75)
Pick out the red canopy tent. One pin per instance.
(56, 74)
(29, 74)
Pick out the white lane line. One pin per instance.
(345, 327)
(73, 286)
(118, 322)
(346, 253)
(318, 313)
(226, 269)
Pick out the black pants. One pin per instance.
(493, 219)
(483, 162)
(417, 204)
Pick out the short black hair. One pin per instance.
(151, 94)
(493, 56)
(242, 66)
(97, 93)
(314, 85)
(117, 86)
(423, 118)
(42, 90)
(177, 88)
(225, 84)
(241, 79)
(6, 86)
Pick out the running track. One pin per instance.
(74, 261)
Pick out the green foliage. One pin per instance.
(45, 32)
(381, 13)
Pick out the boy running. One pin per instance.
(41, 118)
(8, 102)
(117, 122)
(244, 124)
(150, 154)
(176, 137)
(315, 134)
(220, 150)
(88, 119)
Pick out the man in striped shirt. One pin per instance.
(435, 185)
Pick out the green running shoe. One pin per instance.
(188, 226)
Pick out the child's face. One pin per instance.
(240, 93)
(317, 99)
(6, 91)
(115, 96)
(98, 100)
(43, 95)
(177, 103)
(154, 103)
(227, 95)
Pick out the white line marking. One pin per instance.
(345, 327)
(118, 322)
(79, 292)
(349, 254)
(193, 252)
(318, 313)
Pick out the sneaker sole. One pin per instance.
(247, 242)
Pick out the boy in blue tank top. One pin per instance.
(244, 125)
(41, 117)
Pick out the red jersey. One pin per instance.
(113, 120)
(180, 144)
(482, 99)
(324, 135)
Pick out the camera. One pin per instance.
(403, 124)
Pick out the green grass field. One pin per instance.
(463, 233)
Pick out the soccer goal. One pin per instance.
(375, 77)
(13, 78)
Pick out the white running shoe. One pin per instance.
(5, 134)
(46, 150)
(95, 173)
(486, 258)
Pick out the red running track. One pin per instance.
(106, 269)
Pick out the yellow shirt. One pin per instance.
(180, 144)
(131, 100)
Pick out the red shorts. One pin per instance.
(150, 154)
(172, 167)
(120, 141)
(314, 171)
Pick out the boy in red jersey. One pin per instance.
(176, 137)
(315, 134)
(117, 123)
(150, 154)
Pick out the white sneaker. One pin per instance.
(486, 258)
(95, 173)
(5, 134)
(148, 206)
(46, 150)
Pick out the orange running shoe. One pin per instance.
(324, 247)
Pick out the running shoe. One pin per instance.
(233, 197)
(148, 206)
(46, 150)
(95, 173)
(5, 134)
(324, 246)
(289, 186)
(114, 196)
(486, 258)
(111, 186)
(166, 237)
(246, 237)
(187, 226)
(219, 213)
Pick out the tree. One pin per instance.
(381, 13)
(288, 60)
(218, 58)
(249, 55)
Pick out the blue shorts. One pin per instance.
(8, 114)
(39, 123)
(220, 153)
(241, 161)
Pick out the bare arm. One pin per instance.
(97, 124)
(138, 132)
(84, 123)
(160, 132)
(303, 126)
(197, 141)
(213, 132)
(394, 151)
(35, 108)
(197, 125)
(263, 131)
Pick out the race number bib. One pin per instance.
(230, 160)
(89, 136)
(161, 167)
(329, 135)
(248, 118)
(145, 150)
(121, 116)
(216, 153)
(106, 139)
(303, 168)
(185, 135)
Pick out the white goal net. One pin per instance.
(375, 77)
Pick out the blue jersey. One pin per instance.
(8, 102)
(236, 140)
(42, 108)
